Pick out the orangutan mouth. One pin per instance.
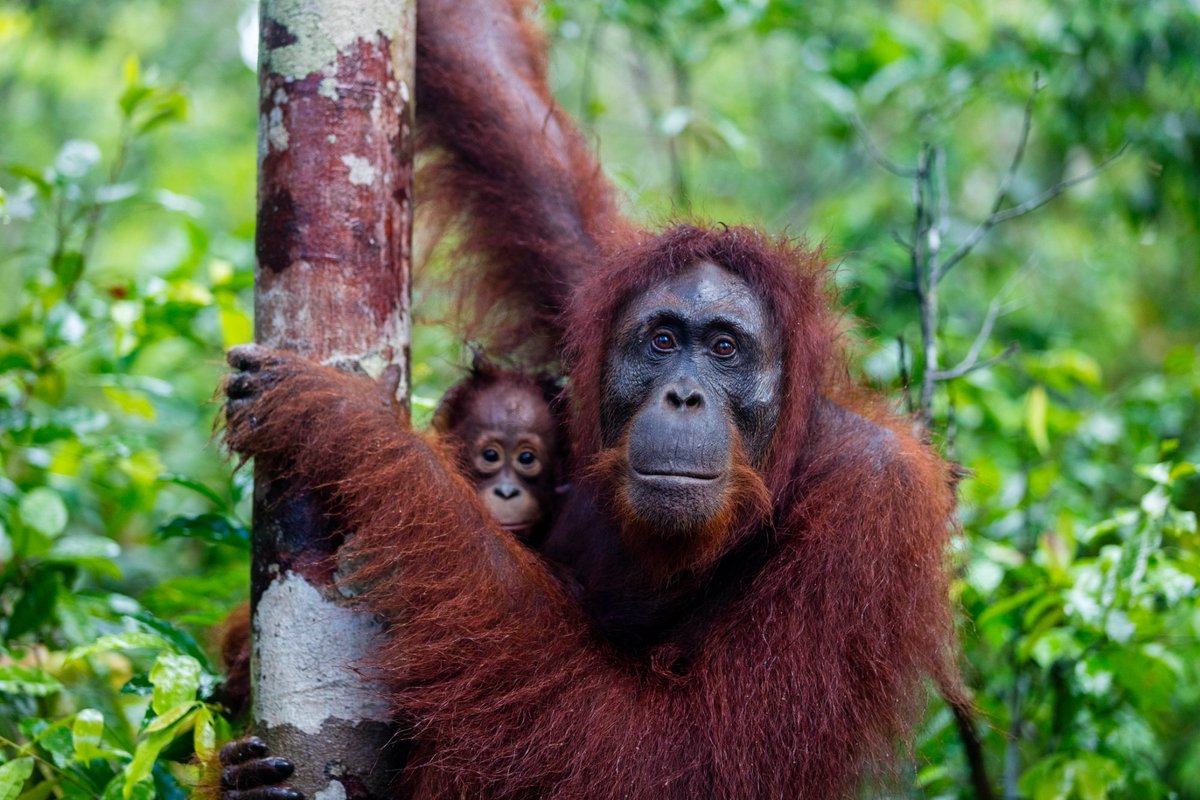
(679, 475)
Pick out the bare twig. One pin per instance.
(905, 385)
(964, 720)
(585, 79)
(926, 244)
(1006, 183)
(876, 154)
(966, 368)
(1054, 191)
(972, 357)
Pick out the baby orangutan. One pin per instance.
(505, 429)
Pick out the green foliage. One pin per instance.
(126, 228)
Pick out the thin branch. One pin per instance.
(585, 80)
(964, 720)
(904, 376)
(1054, 191)
(966, 369)
(878, 155)
(1006, 183)
(985, 331)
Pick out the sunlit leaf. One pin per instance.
(133, 640)
(13, 775)
(29, 681)
(1036, 406)
(175, 679)
(86, 732)
(43, 510)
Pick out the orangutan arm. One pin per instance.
(535, 206)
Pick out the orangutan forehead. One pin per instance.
(705, 292)
(505, 407)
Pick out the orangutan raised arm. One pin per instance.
(539, 212)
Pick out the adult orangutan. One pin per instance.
(746, 581)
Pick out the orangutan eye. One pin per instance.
(526, 458)
(663, 342)
(491, 456)
(724, 347)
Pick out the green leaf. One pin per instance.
(13, 776)
(86, 733)
(172, 716)
(204, 734)
(94, 553)
(1036, 406)
(169, 108)
(236, 326)
(133, 96)
(36, 604)
(1095, 775)
(132, 640)
(180, 639)
(148, 749)
(196, 486)
(29, 681)
(34, 176)
(176, 679)
(43, 510)
(1009, 604)
(131, 70)
(215, 528)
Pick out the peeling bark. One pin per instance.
(332, 282)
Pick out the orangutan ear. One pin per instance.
(449, 411)
(482, 367)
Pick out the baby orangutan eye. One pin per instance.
(526, 458)
(491, 456)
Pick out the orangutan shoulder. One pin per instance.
(883, 449)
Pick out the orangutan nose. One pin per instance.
(684, 397)
(506, 491)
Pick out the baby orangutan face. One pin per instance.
(508, 435)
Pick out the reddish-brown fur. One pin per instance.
(783, 666)
(537, 205)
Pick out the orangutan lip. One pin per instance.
(518, 527)
(688, 476)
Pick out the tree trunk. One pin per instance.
(332, 282)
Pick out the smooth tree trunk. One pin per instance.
(332, 282)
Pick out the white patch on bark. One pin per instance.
(305, 648)
(277, 133)
(322, 28)
(334, 791)
(362, 171)
(328, 88)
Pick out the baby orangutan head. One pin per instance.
(505, 429)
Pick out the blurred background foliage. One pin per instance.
(127, 162)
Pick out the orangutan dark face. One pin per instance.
(692, 391)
